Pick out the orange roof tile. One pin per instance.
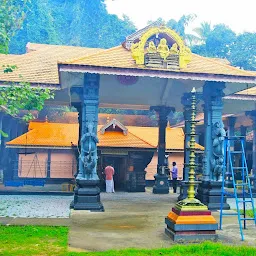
(39, 64)
(64, 135)
(120, 57)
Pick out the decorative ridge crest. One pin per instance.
(114, 123)
(154, 49)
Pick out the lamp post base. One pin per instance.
(87, 196)
(161, 184)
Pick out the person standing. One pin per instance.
(109, 173)
(174, 176)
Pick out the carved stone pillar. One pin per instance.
(137, 181)
(161, 178)
(209, 191)
(87, 191)
(77, 149)
(231, 133)
(252, 115)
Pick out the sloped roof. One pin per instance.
(119, 57)
(39, 64)
(65, 135)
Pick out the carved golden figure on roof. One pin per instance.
(174, 49)
(151, 47)
(163, 48)
(170, 53)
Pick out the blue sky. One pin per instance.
(239, 15)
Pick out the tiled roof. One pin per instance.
(64, 135)
(119, 57)
(39, 64)
(249, 91)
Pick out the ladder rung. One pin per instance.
(241, 184)
(236, 152)
(247, 219)
(244, 201)
(239, 168)
(229, 214)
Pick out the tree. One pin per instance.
(180, 25)
(12, 14)
(92, 26)
(217, 42)
(19, 97)
(38, 26)
(203, 31)
(22, 96)
(243, 51)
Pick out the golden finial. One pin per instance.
(108, 119)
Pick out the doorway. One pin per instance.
(119, 164)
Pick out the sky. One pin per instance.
(239, 15)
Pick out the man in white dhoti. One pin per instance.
(109, 172)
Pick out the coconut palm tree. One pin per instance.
(203, 31)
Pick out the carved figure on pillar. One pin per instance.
(218, 136)
(87, 192)
(209, 191)
(88, 156)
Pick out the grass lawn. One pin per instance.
(248, 213)
(35, 240)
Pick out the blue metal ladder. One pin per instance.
(246, 185)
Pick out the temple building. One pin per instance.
(152, 69)
(49, 151)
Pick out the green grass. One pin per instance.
(248, 213)
(33, 240)
(52, 241)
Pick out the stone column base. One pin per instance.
(209, 193)
(161, 184)
(183, 190)
(87, 196)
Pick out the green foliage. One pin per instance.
(12, 14)
(38, 27)
(222, 42)
(243, 51)
(22, 96)
(80, 23)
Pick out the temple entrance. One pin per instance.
(120, 166)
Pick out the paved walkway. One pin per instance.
(136, 220)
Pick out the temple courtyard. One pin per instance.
(130, 220)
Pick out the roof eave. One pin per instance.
(156, 73)
(33, 85)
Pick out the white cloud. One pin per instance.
(238, 15)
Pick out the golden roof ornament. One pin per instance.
(161, 47)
